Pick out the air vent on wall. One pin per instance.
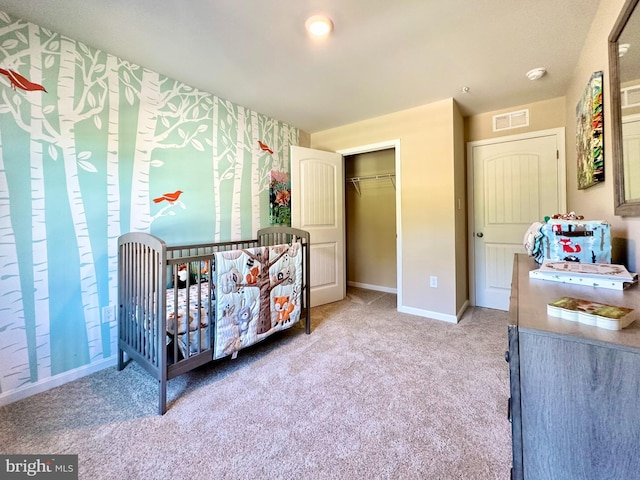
(506, 121)
(630, 96)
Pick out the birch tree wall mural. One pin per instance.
(92, 146)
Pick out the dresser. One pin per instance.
(574, 401)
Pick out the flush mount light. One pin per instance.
(536, 73)
(623, 48)
(319, 25)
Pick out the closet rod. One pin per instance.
(357, 180)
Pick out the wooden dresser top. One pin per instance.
(529, 298)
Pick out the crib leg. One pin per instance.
(162, 400)
(120, 359)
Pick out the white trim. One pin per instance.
(462, 310)
(428, 314)
(631, 118)
(377, 288)
(55, 381)
(373, 147)
(559, 133)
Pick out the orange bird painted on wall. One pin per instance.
(20, 82)
(169, 197)
(265, 147)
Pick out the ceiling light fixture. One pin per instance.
(319, 25)
(623, 48)
(536, 73)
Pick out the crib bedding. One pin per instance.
(258, 293)
(191, 309)
(196, 311)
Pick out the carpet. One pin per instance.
(371, 393)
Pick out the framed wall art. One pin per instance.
(590, 134)
(279, 198)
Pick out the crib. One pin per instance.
(183, 306)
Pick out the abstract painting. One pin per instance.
(590, 134)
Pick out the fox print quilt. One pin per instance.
(258, 292)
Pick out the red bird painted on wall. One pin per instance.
(169, 197)
(19, 81)
(265, 147)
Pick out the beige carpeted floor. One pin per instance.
(371, 393)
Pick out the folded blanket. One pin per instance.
(533, 233)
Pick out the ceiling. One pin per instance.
(383, 56)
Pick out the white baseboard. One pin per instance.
(428, 314)
(55, 381)
(377, 288)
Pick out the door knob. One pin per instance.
(479, 235)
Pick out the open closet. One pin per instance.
(370, 218)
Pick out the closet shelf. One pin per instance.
(356, 180)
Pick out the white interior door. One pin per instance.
(631, 149)
(317, 205)
(515, 183)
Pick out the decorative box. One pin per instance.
(586, 241)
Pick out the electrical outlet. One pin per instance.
(109, 314)
(433, 282)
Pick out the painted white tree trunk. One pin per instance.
(236, 210)
(266, 160)
(216, 166)
(145, 143)
(88, 281)
(14, 354)
(38, 220)
(113, 188)
(276, 161)
(256, 154)
(294, 138)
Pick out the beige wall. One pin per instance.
(433, 237)
(462, 259)
(427, 179)
(304, 139)
(371, 220)
(542, 116)
(597, 202)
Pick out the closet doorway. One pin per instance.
(371, 219)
